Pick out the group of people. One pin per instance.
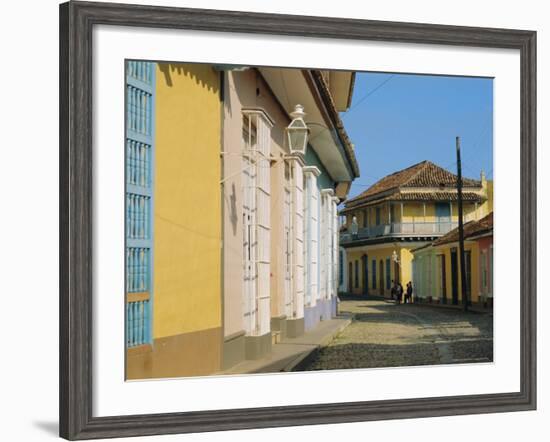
(397, 292)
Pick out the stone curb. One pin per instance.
(305, 358)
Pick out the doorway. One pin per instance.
(350, 277)
(381, 280)
(443, 217)
(365, 267)
(442, 278)
(468, 266)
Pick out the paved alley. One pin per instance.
(384, 334)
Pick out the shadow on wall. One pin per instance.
(193, 71)
(233, 208)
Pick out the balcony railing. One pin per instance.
(437, 228)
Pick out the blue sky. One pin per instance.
(399, 120)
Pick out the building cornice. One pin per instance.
(295, 157)
(313, 170)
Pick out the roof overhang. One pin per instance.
(294, 86)
(341, 88)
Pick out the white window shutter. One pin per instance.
(257, 227)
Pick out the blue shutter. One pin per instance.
(443, 212)
(140, 87)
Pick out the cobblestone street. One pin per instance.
(384, 334)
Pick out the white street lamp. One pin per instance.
(354, 226)
(394, 257)
(297, 131)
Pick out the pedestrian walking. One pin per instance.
(399, 292)
(393, 289)
(408, 294)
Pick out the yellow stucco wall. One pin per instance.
(487, 206)
(406, 258)
(379, 254)
(472, 247)
(187, 204)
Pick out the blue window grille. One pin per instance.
(140, 87)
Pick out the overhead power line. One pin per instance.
(368, 95)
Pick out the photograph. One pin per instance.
(275, 221)
(285, 220)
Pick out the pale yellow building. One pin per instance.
(402, 211)
(437, 271)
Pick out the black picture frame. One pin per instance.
(77, 20)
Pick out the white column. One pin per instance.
(297, 226)
(335, 245)
(326, 243)
(311, 234)
(323, 230)
(263, 228)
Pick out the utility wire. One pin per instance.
(345, 114)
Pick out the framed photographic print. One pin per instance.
(272, 220)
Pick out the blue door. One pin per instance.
(443, 211)
(443, 217)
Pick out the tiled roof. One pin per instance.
(423, 174)
(472, 228)
(436, 196)
(417, 196)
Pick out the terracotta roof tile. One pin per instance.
(435, 196)
(417, 196)
(472, 228)
(423, 174)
